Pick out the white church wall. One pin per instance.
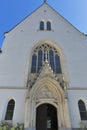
(73, 97)
(19, 97)
(18, 44)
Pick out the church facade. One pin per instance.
(43, 78)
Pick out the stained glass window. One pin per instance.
(51, 56)
(10, 110)
(57, 64)
(82, 110)
(33, 68)
(39, 60)
(43, 53)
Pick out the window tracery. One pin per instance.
(45, 52)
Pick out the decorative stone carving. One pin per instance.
(45, 93)
(46, 70)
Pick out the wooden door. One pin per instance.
(46, 117)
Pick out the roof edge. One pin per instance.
(44, 3)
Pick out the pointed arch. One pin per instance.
(46, 46)
(51, 56)
(82, 110)
(39, 57)
(34, 60)
(10, 110)
(57, 62)
(51, 85)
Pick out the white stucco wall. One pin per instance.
(15, 59)
(73, 97)
(19, 97)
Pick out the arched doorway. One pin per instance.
(46, 117)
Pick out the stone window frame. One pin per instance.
(45, 47)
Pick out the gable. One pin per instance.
(19, 42)
(44, 12)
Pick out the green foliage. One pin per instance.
(7, 126)
(12, 128)
(83, 126)
(0, 128)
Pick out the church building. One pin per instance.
(43, 73)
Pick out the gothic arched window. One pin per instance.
(34, 60)
(10, 110)
(51, 59)
(82, 110)
(41, 25)
(39, 59)
(45, 52)
(48, 25)
(57, 64)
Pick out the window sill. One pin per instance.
(7, 121)
(46, 30)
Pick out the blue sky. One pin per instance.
(14, 11)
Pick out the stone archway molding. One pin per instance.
(46, 90)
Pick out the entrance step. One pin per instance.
(29, 129)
